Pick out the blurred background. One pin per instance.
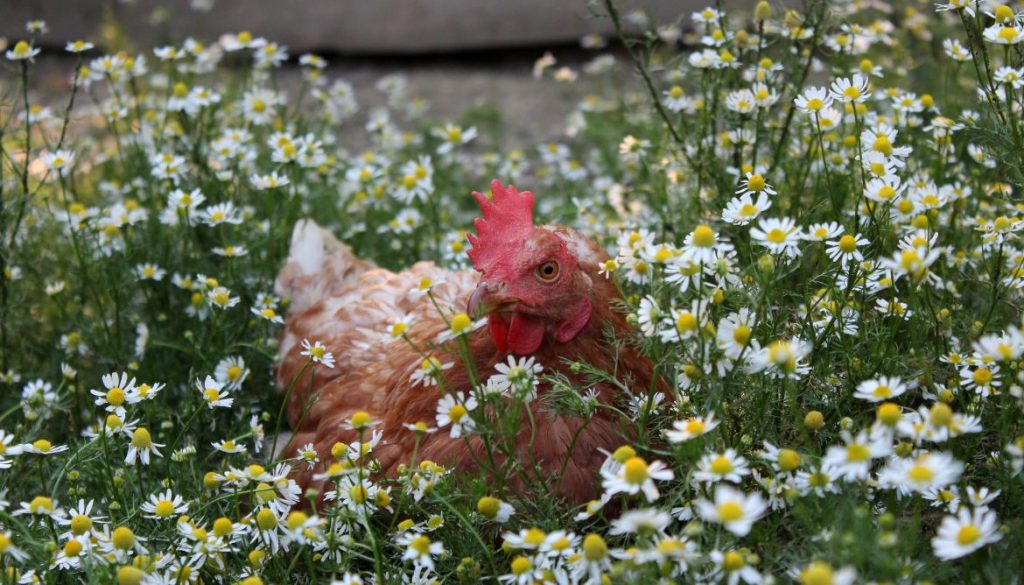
(457, 55)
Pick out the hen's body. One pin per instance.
(350, 305)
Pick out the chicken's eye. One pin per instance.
(548, 271)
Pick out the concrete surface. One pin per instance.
(343, 26)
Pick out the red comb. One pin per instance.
(508, 217)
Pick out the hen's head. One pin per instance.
(533, 282)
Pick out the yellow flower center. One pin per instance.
(266, 520)
(882, 145)
(222, 527)
(41, 505)
(635, 470)
(847, 243)
(623, 454)
(164, 508)
(122, 538)
(704, 236)
(982, 376)
(594, 548)
(776, 236)
(695, 426)
(732, 561)
(730, 511)
(789, 459)
(488, 506)
(461, 323)
(921, 473)
(521, 565)
(882, 391)
(686, 321)
(211, 394)
(80, 524)
(968, 534)
(141, 439)
(721, 465)
(421, 544)
(858, 452)
(756, 183)
(889, 413)
(115, 396)
(457, 412)
(72, 548)
(816, 573)
(360, 419)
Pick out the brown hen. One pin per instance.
(543, 296)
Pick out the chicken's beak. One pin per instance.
(488, 298)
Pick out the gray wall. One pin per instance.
(347, 26)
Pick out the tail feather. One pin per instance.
(318, 265)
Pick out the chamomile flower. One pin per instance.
(22, 51)
(635, 476)
(854, 89)
(494, 509)
(317, 353)
(846, 248)
(516, 374)
(779, 235)
(420, 549)
(927, 471)
(148, 271)
(880, 389)
(229, 446)
(744, 209)
(269, 181)
(141, 447)
(853, 460)
(215, 394)
(41, 447)
(965, 533)
(431, 369)
(813, 100)
(453, 409)
(307, 453)
(643, 521)
(232, 372)
(982, 379)
(690, 428)
(782, 358)
(453, 136)
(164, 506)
(118, 392)
(735, 510)
(725, 466)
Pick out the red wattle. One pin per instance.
(499, 331)
(525, 334)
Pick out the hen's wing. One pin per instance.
(349, 305)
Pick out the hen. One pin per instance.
(543, 297)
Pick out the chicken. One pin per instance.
(542, 295)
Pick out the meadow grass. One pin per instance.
(813, 215)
